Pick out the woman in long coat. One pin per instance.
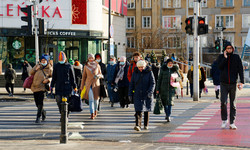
(142, 87)
(90, 78)
(164, 88)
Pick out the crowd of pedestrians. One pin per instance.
(135, 82)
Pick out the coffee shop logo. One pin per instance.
(16, 44)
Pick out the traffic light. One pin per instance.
(202, 27)
(217, 45)
(41, 26)
(28, 18)
(189, 25)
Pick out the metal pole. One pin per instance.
(36, 32)
(221, 40)
(187, 36)
(64, 121)
(201, 53)
(109, 30)
(196, 53)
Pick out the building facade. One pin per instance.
(160, 24)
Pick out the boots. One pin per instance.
(39, 113)
(146, 120)
(43, 115)
(217, 94)
(96, 113)
(92, 116)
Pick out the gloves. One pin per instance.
(130, 98)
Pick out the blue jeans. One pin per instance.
(92, 103)
(168, 109)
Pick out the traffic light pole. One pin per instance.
(187, 35)
(221, 40)
(36, 32)
(196, 53)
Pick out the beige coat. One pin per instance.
(38, 84)
(88, 80)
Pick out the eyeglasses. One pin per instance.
(229, 48)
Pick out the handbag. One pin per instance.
(46, 84)
(83, 92)
(158, 109)
(28, 82)
(75, 103)
(172, 80)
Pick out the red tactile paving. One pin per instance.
(210, 133)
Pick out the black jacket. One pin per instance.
(124, 82)
(215, 73)
(63, 79)
(230, 68)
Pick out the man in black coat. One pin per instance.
(63, 79)
(230, 66)
(215, 74)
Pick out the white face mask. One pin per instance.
(44, 64)
(61, 62)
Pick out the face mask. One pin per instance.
(111, 62)
(170, 67)
(61, 62)
(98, 60)
(122, 63)
(44, 64)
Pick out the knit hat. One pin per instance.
(91, 56)
(141, 63)
(62, 56)
(112, 57)
(98, 55)
(71, 61)
(44, 56)
(77, 63)
(169, 60)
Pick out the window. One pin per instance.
(220, 3)
(146, 41)
(130, 22)
(203, 3)
(168, 3)
(229, 21)
(246, 2)
(146, 21)
(131, 4)
(172, 42)
(230, 37)
(246, 21)
(244, 40)
(130, 42)
(172, 22)
(146, 3)
(203, 40)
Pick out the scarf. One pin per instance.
(92, 66)
(120, 74)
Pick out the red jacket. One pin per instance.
(130, 71)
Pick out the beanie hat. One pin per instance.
(169, 60)
(77, 63)
(98, 56)
(112, 57)
(62, 56)
(91, 56)
(141, 63)
(44, 56)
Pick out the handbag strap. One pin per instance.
(44, 73)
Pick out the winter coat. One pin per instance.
(155, 69)
(37, 84)
(110, 72)
(78, 74)
(131, 70)
(63, 79)
(190, 76)
(25, 73)
(10, 74)
(203, 78)
(88, 80)
(124, 82)
(230, 68)
(167, 92)
(143, 85)
(215, 73)
(182, 78)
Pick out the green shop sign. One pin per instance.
(16, 44)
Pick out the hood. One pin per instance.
(146, 70)
(174, 68)
(77, 67)
(226, 45)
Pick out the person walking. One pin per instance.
(164, 87)
(190, 79)
(10, 77)
(136, 57)
(42, 73)
(215, 74)
(113, 96)
(121, 80)
(202, 79)
(78, 73)
(231, 67)
(155, 70)
(63, 79)
(26, 70)
(141, 89)
(90, 79)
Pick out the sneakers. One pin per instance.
(146, 127)
(137, 128)
(168, 119)
(224, 124)
(233, 126)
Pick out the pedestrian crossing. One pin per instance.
(112, 123)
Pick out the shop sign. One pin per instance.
(62, 33)
(17, 44)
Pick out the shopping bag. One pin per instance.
(158, 109)
(83, 92)
(28, 82)
(75, 103)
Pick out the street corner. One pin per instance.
(205, 128)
